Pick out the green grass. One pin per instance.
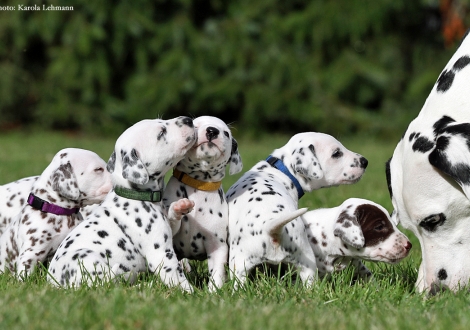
(387, 302)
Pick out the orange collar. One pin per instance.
(197, 184)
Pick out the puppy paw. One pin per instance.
(180, 208)
(183, 206)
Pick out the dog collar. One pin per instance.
(146, 196)
(277, 163)
(47, 207)
(197, 184)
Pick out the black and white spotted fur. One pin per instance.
(74, 178)
(356, 230)
(126, 236)
(13, 197)
(202, 233)
(429, 178)
(263, 204)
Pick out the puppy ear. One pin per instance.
(111, 163)
(236, 164)
(451, 154)
(65, 183)
(306, 163)
(132, 167)
(347, 228)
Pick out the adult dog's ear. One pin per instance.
(133, 169)
(65, 183)
(347, 228)
(236, 164)
(451, 154)
(306, 164)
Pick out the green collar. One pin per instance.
(146, 196)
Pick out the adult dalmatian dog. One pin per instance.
(74, 178)
(129, 231)
(429, 178)
(264, 223)
(356, 230)
(202, 233)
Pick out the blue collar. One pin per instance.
(277, 163)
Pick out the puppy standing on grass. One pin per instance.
(263, 218)
(357, 229)
(73, 179)
(202, 233)
(129, 232)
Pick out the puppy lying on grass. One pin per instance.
(357, 229)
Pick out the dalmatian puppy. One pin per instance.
(129, 231)
(264, 223)
(429, 182)
(74, 178)
(202, 233)
(14, 195)
(357, 229)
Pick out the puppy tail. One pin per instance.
(276, 225)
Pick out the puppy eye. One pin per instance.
(379, 227)
(337, 153)
(226, 134)
(431, 222)
(162, 133)
(99, 170)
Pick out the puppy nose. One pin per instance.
(408, 246)
(187, 121)
(363, 162)
(212, 133)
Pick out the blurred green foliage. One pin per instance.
(341, 66)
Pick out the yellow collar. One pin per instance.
(197, 184)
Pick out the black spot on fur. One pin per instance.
(422, 144)
(442, 274)
(461, 63)
(122, 244)
(445, 81)
(68, 243)
(441, 124)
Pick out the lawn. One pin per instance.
(387, 302)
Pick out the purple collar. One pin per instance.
(47, 207)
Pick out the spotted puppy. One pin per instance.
(263, 218)
(429, 181)
(357, 229)
(202, 234)
(14, 195)
(129, 232)
(74, 178)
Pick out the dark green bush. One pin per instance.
(335, 66)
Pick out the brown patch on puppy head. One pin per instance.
(375, 225)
